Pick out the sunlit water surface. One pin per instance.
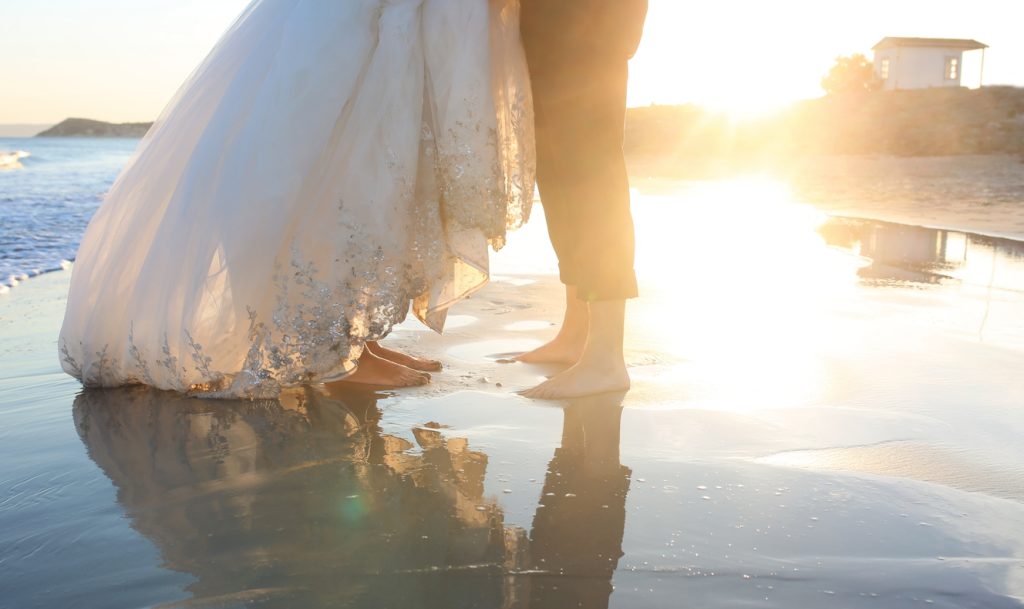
(47, 198)
(826, 412)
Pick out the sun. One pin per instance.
(740, 291)
(743, 70)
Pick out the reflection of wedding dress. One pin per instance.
(302, 502)
(306, 501)
(327, 164)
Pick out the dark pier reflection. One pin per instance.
(305, 501)
(916, 254)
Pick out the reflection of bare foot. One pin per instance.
(595, 373)
(567, 347)
(409, 361)
(379, 372)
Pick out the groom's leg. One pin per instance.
(597, 226)
(578, 53)
(599, 221)
(543, 49)
(556, 192)
(556, 196)
(585, 191)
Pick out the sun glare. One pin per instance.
(744, 68)
(742, 289)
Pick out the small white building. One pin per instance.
(923, 63)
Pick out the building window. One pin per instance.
(884, 69)
(952, 68)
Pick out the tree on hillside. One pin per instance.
(853, 74)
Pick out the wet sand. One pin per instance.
(980, 193)
(826, 412)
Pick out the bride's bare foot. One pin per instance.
(379, 372)
(601, 368)
(409, 361)
(567, 347)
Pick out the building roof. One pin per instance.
(947, 43)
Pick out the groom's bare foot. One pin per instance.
(409, 361)
(567, 347)
(379, 372)
(602, 367)
(563, 349)
(594, 374)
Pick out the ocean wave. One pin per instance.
(12, 159)
(14, 279)
(45, 207)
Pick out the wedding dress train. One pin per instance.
(329, 166)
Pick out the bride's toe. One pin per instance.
(431, 365)
(412, 378)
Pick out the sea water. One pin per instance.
(825, 413)
(48, 196)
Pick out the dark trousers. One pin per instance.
(577, 52)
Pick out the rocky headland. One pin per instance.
(83, 127)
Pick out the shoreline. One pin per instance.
(11, 282)
(1008, 237)
(14, 281)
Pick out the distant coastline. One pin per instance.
(22, 130)
(83, 127)
(928, 122)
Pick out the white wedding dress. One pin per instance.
(331, 163)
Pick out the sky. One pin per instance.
(122, 60)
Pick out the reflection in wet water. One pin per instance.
(576, 541)
(899, 252)
(749, 297)
(826, 412)
(306, 502)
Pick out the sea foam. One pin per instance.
(48, 197)
(10, 160)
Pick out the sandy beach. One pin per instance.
(826, 412)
